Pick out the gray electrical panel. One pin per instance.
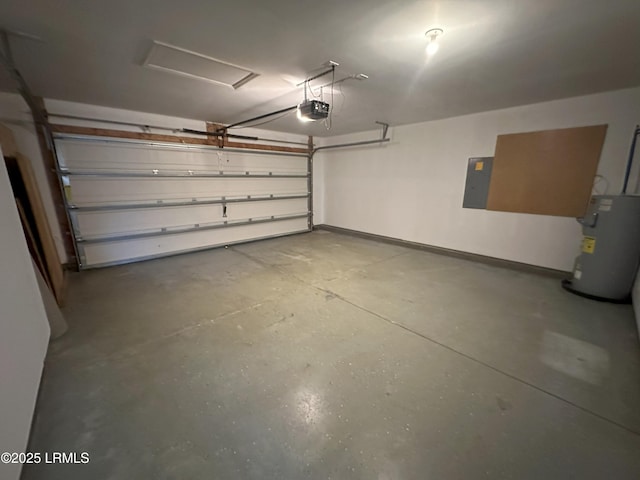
(610, 253)
(476, 188)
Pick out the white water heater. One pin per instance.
(610, 251)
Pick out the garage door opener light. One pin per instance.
(433, 46)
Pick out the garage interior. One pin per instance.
(388, 240)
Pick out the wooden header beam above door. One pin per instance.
(157, 137)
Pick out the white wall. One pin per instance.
(24, 332)
(412, 188)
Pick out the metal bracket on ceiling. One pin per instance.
(331, 67)
(384, 139)
(385, 128)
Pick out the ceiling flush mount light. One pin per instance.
(432, 37)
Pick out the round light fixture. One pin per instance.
(432, 36)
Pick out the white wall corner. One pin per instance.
(412, 187)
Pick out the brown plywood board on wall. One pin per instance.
(54, 271)
(550, 172)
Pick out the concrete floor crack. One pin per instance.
(478, 361)
(136, 349)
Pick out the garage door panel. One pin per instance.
(115, 252)
(124, 222)
(104, 157)
(130, 221)
(105, 190)
(131, 200)
(238, 211)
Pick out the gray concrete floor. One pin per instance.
(327, 356)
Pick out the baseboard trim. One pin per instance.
(496, 262)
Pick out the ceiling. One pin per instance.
(493, 54)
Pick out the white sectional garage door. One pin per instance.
(133, 200)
